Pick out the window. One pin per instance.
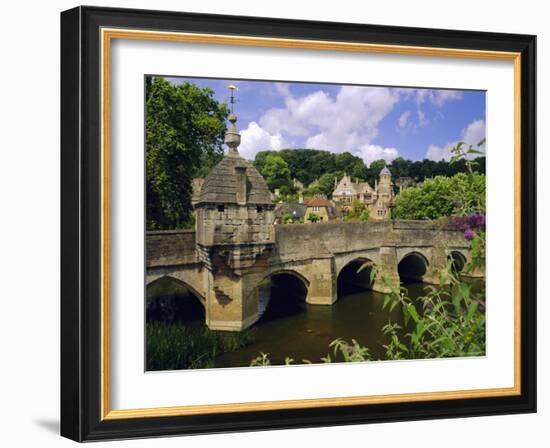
(259, 209)
(221, 208)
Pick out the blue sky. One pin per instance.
(372, 122)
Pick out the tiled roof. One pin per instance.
(293, 209)
(319, 202)
(220, 186)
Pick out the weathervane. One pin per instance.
(232, 98)
(232, 136)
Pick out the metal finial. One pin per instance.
(232, 99)
(232, 137)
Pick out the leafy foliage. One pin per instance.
(313, 217)
(450, 324)
(184, 128)
(358, 212)
(460, 195)
(276, 173)
(309, 165)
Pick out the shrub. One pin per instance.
(460, 195)
(313, 217)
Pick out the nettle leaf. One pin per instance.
(413, 313)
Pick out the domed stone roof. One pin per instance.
(220, 186)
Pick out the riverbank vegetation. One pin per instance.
(446, 322)
(178, 346)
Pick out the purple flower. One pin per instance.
(460, 223)
(469, 234)
(477, 220)
(481, 306)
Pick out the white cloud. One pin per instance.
(440, 97)
(436, 97)
(472, 134)
(404, 119)
(370, 153)
(346, 122)
(254, 139)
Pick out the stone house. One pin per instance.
(296, 211)
(322, 207)
(378, 200)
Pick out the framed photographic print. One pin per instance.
(273, 223)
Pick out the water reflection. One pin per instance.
(290, 327)
(308, 333)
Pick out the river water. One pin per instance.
(292, 328)
(307, 330)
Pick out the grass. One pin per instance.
(178, 346)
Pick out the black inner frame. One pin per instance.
(81, 225)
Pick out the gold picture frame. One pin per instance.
(120, 25)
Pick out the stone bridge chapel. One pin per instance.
(236, 249)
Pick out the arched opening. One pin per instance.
(354, 277)
(458, 261)
(282, 294)
(412, 267)
(170, 300)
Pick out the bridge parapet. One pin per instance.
(300, 241)
(170, 248)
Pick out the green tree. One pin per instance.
(364, 216)
(184, 128)
(358, 211)
(276, 173)
(313, 217)
(307, 165)
(441, 196)
(326, 183)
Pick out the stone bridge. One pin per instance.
(315, 254)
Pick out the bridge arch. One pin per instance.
(413, 266)
(151, 280)
(287, 287)
(170, 299)
(458, 260)
(286, 271)
(350, 279)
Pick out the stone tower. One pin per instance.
(235, 234)
(384, 196)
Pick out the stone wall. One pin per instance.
(232, 224)
(228, 281)
(302, 241)
(170, 248)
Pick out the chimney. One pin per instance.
(240, 172)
